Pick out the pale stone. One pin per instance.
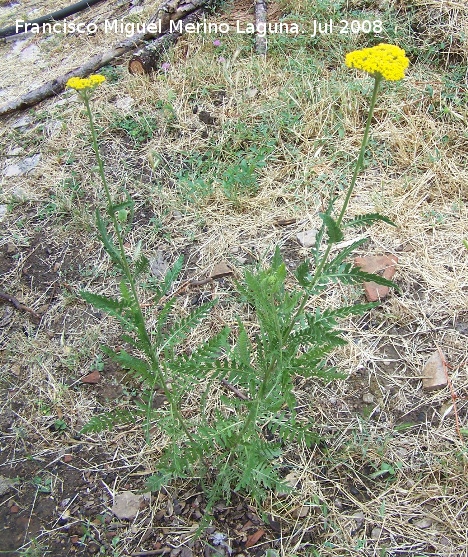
(307, 238)
(127, 504)
(434, 375)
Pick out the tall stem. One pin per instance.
(128, 275)
(359, 163)
(378, 79)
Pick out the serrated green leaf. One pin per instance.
(334, 231)
(303, 275)
(132, 363)
(338, 259)
(181, 328)
(368, 219)
(109, 305)
(108, 420)
(202, 356)
(106, 240)
(347, 274)
(129, 204)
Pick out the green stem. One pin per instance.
(128, 275)
(359, 163)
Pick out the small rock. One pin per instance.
(3, 212)
(53, 127)
(307, 238)
(92, 378)
(14, 509)
(376, 533)
(14, 151)
(434, 375)
(251, 92)
(67, 458)
(22, 122)
(23, 167)
(368, 398)
(220, 270)
(177, 215)
(359, 518)
(20, 194)
(423, 523)
(125, 103)
(5, 485)
(158, 265)
(127, 504)
(11, 248)
(374, 264)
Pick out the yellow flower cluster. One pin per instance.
(82, 83)
(386, 60)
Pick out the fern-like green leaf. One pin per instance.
(108, 420)
(104, 303)
(203, 356)
(181, 328)
(137, 365)
(336, 261)
(335, 233)
(347, 274)
(368, 219)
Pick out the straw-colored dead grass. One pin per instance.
(417, 176)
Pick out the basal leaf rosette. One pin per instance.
(384, 60)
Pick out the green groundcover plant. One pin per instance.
(235, 447)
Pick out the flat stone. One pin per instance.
(376, 533)
(221, 270)
(423, 523)
(6, 484)
(307, 238)
(53, 127)
(22, 122)
(434, 375)
(127, 504)
(373, 264)
(158, 265)
(92, 378)
(3, 212)
(124, 103)
(23, 167)
(368, 398)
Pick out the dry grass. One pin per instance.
(417, 176)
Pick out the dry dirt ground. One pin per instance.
(390, 474)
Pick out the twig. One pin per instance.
(17, 304)
(260, 24)
(181, 288)
(152, 552)
(235, 390)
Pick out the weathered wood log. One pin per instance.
(167, 12)
(148, 58)
(260, 25)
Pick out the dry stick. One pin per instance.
(260, 23)
(18, 305)
(169, 11)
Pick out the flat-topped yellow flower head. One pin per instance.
(386, 60)
(85, 83)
